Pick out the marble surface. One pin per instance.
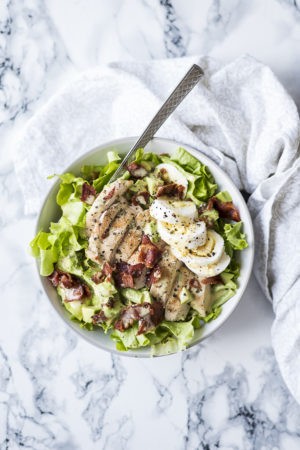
(61, 393)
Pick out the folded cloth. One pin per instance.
(239, 115)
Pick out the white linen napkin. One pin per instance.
(239, 115)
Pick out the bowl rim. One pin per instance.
(123, 140)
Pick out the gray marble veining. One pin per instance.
(58, 392)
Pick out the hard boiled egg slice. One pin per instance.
(184, 236)
(172, 174)
(173, 211)
(209, 270)
(207, 260)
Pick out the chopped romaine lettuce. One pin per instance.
(151, 158)
(129, 339)
(224, 196)
(136, 296)
(234, 235)
(211, 214)
(113, 156)
(201, 185)
(153, 183)
(223, 292)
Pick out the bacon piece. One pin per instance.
(66, 280)
(148, 315)
(155, 275)
(88, 194)
(99, 318)
(171, 190)
(136, 170)
(194, 283)
(106, 272)
(149, 253)
(127, 280)
(54, 278)
(98, 277)
(127, 274)
(141, 198)
(74, 293)
(74, 288)
(226, 210)
(109, 194)
(217, 279)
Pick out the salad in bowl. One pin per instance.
(149, 260)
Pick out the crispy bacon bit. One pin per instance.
(127, 275)
(136, 170)
(106, 272)
(66, 280)
(74, 288)
(148, 315)
(226, 210)
(98, 277)
(172, 190)
(74, 293)
(149, 253)
(54, 278)
(99, 318)
(194, 283)
(127, 280)
(109, 194)
(217, 279)
(141, 198)
(88, 194)
(146, 240)
(107, 269)
(155, 275)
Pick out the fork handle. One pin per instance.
(187, 83)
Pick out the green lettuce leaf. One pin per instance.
(234, 236)
(224, 196)
(70, 188)
(136, 296)
(129, 339)
(201, 184)
(62, 240)
(221, 293)
(148, 160)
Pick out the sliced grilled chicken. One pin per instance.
(202, 298)
(169, 268)
(108, 216)
(133, 237)
(105, 199)
(174, 309)
(115, 234)
(141, 219)
(101, 228)
(129, 244)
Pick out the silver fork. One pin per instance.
(187, 83)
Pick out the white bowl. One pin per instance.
(51, 212)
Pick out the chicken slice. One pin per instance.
(169, 268)
(109, 245)
(105, 199)
(129, 244)
(108, 216)
(202, 298)
(174, 309)
(142, 218)
(100, 229)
